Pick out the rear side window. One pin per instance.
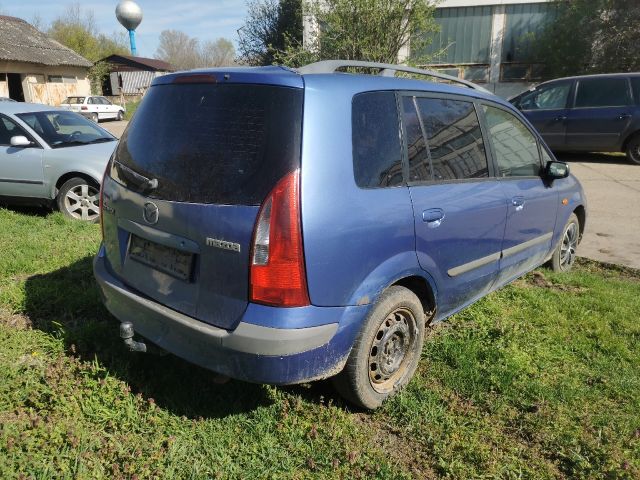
(635, 86)
(450, 132)
(602, 92)
(204, 143)
(515, 147)
(377, 152)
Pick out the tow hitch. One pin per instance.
(127, 333)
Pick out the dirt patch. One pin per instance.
(399, 448)
(609, 269)
(537, 279)
(15, 320)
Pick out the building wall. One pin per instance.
(133, 82)
(46, 84)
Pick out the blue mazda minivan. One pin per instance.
(282, 226)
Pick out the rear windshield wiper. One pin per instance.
(144, 182)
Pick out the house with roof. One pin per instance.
(132, 75)
(36, 68)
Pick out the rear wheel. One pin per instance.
(79, 199)
(94, 117)
(387, 350)
(120, 115)
(565, 254)
(633, 149)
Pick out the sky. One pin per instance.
(205, 20)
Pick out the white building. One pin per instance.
(490, 42)
(485, 41)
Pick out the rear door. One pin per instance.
(185, 187)
(546, 108)
(532, 203)
(601, 114)
(459, 208)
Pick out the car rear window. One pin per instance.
(204, 143)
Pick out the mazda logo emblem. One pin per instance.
(150, 213)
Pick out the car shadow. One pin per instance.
(29, 210)
(591, 157)
(66, 303)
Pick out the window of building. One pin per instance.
(377, 151)
(452, 136)
(602, 92)
(515, 147)
(55, 78)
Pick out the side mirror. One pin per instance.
(555, 170)
(20, 141)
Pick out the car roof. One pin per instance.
(279, 75)
(13, 108)
(595, 75)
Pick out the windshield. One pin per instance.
(65, 129)
(203, 143)
(74, 100)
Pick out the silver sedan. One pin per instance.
(51, 155)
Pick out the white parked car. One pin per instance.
(94, 107)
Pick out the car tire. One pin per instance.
(78, 199)
(633, 149)
(564, 255)
(95, 118)
(386, 352)
(120, 116)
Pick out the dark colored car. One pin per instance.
(592, 113)
(282, 226)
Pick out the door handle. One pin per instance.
(433, 217)
(518, 202)
(624, 116)
(560, 118)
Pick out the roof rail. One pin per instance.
(330, 66)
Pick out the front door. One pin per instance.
(532, 203)
(21, 169)
(546, 109)
(459, 209)
(602, 113)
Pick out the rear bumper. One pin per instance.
(251, 352)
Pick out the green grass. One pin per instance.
(131, 109)
(538, 380)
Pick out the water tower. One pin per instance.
(129, 14)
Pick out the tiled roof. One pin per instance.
(21, 42)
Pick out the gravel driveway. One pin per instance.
(612, 187)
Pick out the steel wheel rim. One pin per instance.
(391, 350)
(569, 245)
(82, 202)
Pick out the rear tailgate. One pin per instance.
(184, 190)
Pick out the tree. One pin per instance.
(76, 29)
(184, 52)
(373, 30)
(270, 26)
(178, 48)
(590, 36)
(218, 53)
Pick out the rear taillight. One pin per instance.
(278, 275)
(83, 107)
(101, 197)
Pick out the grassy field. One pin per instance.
(539, 380)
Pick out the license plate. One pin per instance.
(165, 259)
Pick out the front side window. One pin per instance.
(551, 97)
(65, 129)
(451, 133)
(515, 147)
(377, 152)
(602, 92)
(9, 129)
